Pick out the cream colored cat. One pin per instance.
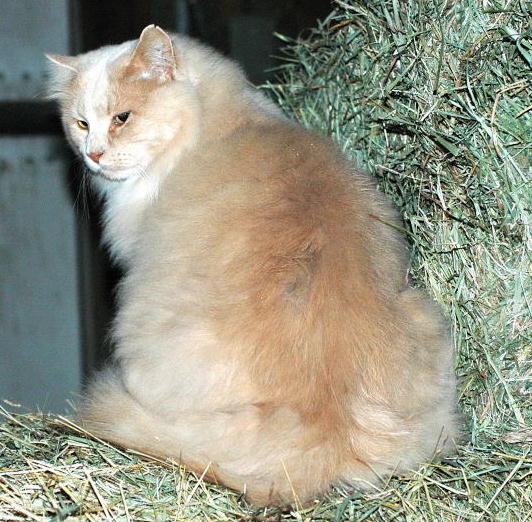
(266, 333)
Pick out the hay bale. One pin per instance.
(434, 99)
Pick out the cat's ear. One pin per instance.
(154, 57)
(70, 62)
(62, 71)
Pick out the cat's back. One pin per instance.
(279, 188)
(276, 166)
(274, 152)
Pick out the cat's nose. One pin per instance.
(95, 156)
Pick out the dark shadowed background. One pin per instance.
(56, 285)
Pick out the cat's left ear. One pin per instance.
(154, 57)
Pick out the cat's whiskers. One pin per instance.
(141, 171)
(81, 198)
(84, 192)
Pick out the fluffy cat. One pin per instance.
(266, 334)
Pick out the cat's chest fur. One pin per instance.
(124, 208)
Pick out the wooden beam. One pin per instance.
(29, 118)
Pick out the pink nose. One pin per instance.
(95, 156)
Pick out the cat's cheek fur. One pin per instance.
(142, 149)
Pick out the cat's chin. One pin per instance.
(111, 176)
(114, 175)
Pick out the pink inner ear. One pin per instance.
(153, 57)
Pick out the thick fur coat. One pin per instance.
(266, 333)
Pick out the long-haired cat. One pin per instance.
(266, 334)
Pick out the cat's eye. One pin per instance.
(82, 124)
(121, 118)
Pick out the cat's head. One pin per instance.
(123, 106)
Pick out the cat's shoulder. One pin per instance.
(283, 135)
(283, 145)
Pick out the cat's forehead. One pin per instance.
(97, 85)
(105, 55)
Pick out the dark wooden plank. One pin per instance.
(102, 23)
(29, 117)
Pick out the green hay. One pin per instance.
(50, 470)
(434, 98)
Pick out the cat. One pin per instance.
(266, 335)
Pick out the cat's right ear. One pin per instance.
(61, 71)
(70, 62)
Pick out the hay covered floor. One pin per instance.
(434, 99)
(50, 470)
